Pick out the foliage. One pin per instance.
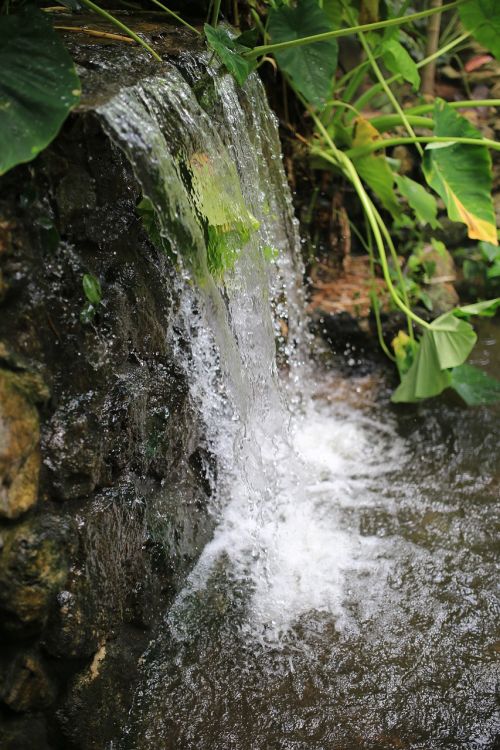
(310, 68)
(455, 163)
(93, 293)
(38, 86)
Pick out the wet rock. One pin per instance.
(19, 448)
(33, 567)
(72, 631)
(26, 685)
(23, 733)
(98, 699)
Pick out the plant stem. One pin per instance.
(265, 48)
(216, 11)
(388, 92)
(421, 109)
(356, 153)
(342, 161)
(104, 13)
(387, 122)
(429, 70)
(368, 95)
(178, 18)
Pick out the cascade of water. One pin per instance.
(292, 471)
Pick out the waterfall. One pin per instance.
(266, 612)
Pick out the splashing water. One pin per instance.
(322, 614)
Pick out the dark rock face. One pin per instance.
(103, 468)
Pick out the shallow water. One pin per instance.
(359, 611)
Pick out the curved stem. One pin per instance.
(340, 159)
(387, 89)
(356, 153)
(368, 95)
(265, 48)
(421, 109)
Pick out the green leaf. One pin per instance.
(494, 271)
(374, 168)
(482, 18)
(474, 386)
(38, 86)
(397, 60)
(461, 175)
(486, 308)
(420, 200)
(312, 66)
(92, 288)
(454, 339)
(229, 50)
(334, 11)
(489, 252)
(425, 378)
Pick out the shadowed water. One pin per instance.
(348, 598)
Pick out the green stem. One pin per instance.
(216, 11)
(397, 266)
(120, 25)
(368, 95)
(421, 109)
(387, 122)
(265, 48)
(368, 246)
(340, 159)
(385, 86)
(178, 18)
(356, 153)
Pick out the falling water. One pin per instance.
(321, 615)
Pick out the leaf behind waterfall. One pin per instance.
(38, 86)
(228, 49)
(461, 175)
(312, 66)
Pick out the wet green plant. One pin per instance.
(455, 163)
(93, 293)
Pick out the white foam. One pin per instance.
(289, 544)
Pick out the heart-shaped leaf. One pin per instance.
(38, 86)
(461, 175)
(312, 66)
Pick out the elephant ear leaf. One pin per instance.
(482, 18)
(312, 66)
(38, 86)
(461, 174)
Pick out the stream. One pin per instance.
(348, 598)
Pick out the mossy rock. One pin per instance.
(33, 568)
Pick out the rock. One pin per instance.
(26, 685)
(19, 448)
(33, 567)
(23, 733)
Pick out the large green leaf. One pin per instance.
(38, 86)
(482, 18)
(421, 201)
(454, 339)
(398, 61)
(461, 175)
(474, 386)
(229, 51)
(425, 378)
(312, 66)
(374, 168)
(446, 344)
